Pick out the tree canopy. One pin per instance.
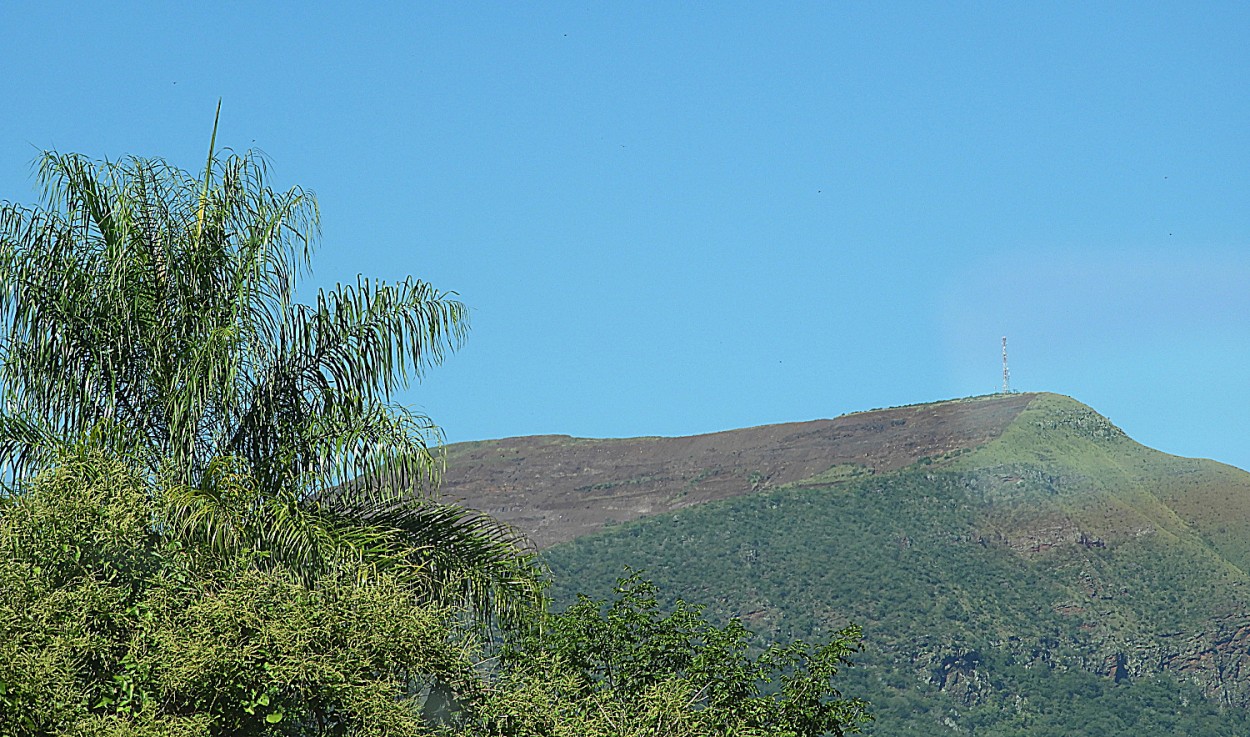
(111, 625)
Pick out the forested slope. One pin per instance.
(1057, 578)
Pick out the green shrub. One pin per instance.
(108, 626)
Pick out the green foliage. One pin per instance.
(152, 313)
(624, 668)
(110, 626)
(163, 303)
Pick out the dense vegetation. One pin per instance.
(1044, 583)
(112, 623)
(186, 549)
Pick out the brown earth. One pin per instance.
(555, 488)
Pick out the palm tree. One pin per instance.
(153, 312)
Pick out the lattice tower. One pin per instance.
(1006, 373)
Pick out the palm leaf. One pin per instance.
(154, 311)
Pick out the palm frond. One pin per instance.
(464, 557)
(154, 311)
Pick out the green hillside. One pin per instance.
(1060, 579)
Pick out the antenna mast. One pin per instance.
(1006, 374)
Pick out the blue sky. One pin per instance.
(675, 218)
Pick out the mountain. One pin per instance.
(1018, 564)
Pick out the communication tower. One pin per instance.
(1006, 374)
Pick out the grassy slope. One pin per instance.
(991, 586)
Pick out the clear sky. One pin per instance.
(674, 218)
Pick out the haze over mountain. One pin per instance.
(1018, 564)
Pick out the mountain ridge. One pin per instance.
(555, 488)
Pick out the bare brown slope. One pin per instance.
(555, 488)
